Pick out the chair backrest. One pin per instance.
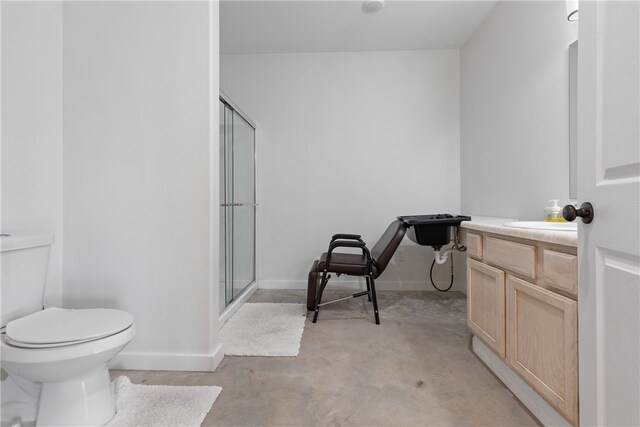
(387, 244)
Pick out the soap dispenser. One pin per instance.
(553, 213)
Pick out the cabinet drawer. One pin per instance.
(474, 245)
(542, 333)
(486, 305)
(513, 256)
(560, 270)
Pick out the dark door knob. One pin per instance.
(585, 212)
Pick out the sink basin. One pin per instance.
(544, 225)
(432, 230)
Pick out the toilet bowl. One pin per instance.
(65, 351)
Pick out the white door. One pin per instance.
(609, 247)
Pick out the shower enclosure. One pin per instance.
(237, 202)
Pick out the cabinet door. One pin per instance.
(543, 343)
(486, 304)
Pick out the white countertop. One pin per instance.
(496, 225)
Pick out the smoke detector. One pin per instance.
(372, 6)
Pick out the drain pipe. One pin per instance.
(441, 258)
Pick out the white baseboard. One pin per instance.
(539, 407)
(216, 356)
(299, 284)
(353, 283)
(168, 361)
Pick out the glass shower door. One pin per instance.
(225, 212)
(237, 204)
(244, 204)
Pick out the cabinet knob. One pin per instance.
(569, 212)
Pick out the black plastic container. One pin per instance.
(432, 230)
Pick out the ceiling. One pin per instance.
(339, 26)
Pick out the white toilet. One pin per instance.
(66, 351)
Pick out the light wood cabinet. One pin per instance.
(474, 245)
(515, 256)
(485, 304)
(543, 342)
(521, 304)
(560, 270)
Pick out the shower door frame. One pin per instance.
(250, 289)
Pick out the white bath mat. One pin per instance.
(161, 405)
(262, 329)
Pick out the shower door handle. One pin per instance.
(238, 204)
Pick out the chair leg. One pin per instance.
(375, 300)
(368, 288)
(312, 286)
(323, 284)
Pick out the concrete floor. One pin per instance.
(415, 369)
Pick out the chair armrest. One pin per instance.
(346, 244)
(346, 236)
(350, 244)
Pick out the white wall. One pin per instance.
(31, 136)
(138, 127)
(347, 142)
(514, 110)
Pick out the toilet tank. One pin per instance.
(24, 261)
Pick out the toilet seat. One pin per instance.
(56, 327)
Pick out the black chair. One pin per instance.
(369, 264)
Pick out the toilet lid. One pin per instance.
(65, 326)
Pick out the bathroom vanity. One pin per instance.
(522, 309)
